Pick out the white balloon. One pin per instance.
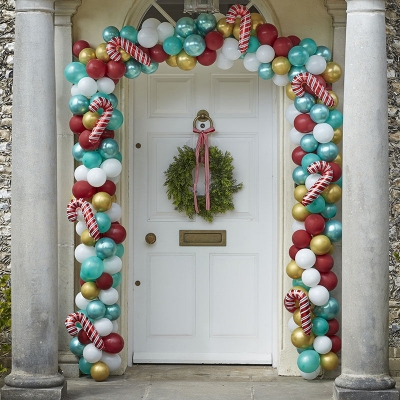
(81, 173)
(91, 353)
(295, 136)
(251, 62)
(96, 177)
(75, 90)
(87, 86)
(109, 296)
(103, 326)
(310, 277)
(311, 375)
(164, 30)
(322, 344)
(112, 265)
(115, 212)
(310, 180)
(218, 16)
(305, 258)
(291, 113)
(292, 325)
(80, 227)
(152, 23)
(115, 326)
(147, 37)
(105, 85)
(81, 302)
(323, 132)
(223, 62)
(265, 53)
(298, 226)
(113, 361)
(316, 64)
(82, 252)
(318, 295)
(115, 179)
(230, 49)
(112, 167)
(280, 80)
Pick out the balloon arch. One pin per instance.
(304, 69)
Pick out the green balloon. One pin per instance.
(308, 361)
(91, 269)
(320, 326)
(317, 205)
(84, 366)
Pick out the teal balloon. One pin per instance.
(120, 250)
(308, 143)
(327, 151)
(78, 152)
(185, 27)
(205, 23)
(108, 148)
(79, 104)
(333, 230)
(254, 44)
(76, 347)
(299, 282)
(117, 279)
(335, 119)
(320, 326)
(308, 159)
(105, 247)
(149, 69)
(319, 113)
(129, 32)
(92, 159)
(298, 56)
(305, 103)
(114, 100)
(118, 156)
(84, 366)
(96, 309)
(299, 175)
(339, 181)
(113, 312)
(265, 71)
(103, 221)
(97, 95)
(75, 71)
(109, 33)
(308, 361)
(181, 38)
(132, 69)
(309, 45)
(91, 269)
(194, 45)
(329, 211)
(329, 310)
(116, 120)
(323, 51)
(317, 205)
(307, 348)
(172, 45)
(295, 71)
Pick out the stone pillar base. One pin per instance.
(54, 393)
(353, 394)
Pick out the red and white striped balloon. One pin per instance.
(315, 190)
(90, 220)
(102, 122)
(238, 10)
(305, 310)
(136, 52)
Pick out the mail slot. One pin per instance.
(202, 238)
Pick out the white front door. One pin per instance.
(204, 304)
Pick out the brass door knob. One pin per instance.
(150, 238)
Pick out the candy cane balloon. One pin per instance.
(88, 216)
(305, 310)
(137, 53)
(305, 78)
(87, 326)
(315, 190)
(245, 24)
(102, 122)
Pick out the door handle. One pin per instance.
(150, 238)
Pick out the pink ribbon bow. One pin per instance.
(202, 142)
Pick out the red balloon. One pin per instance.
(115, 81)
(314, 224)
(158, 54)
(336, 343)
(297, 155)
(214, 40)
(333, 327)
(76, 125)
(294, 39)
(282, 45)
(79, 46)
(96, 69)
(105, 281)
(107, 134)
(108, 187)
(115, 69)
(83, 337)
(301, 239)
(113, 343)
(208, 57)
(267, 34)
(82, 189)
(328, 86)
(145, 50)
(117, 232)
(304, 124)
(81, 281)
(293, 251)
(324, 263)
(329, 280)
(84, 141)
(337, 171)
(320, 79)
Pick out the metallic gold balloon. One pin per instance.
(281, 65)
(89, 119)
(125, 56)
(333, 72)
(329, 361)
(338, 159)
(114, 198)
(297, 317)
(299, 212)
(171, 61)
(99, 371)
(332, 193)
(331, 250)
(89, 290)
(320, 244)
(335, 99)
(256, 21)
(299, 192)
(300, 339)
(337, 136)
(102, 201)
(185, 62)
(293, 270)
(224, 28)
(87, 239)
(86, 55)
(101, 52)
(236, 30)
(289, 91)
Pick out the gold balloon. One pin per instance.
(89, 119)
(86, 55)
(125, 56)
(114, 198)
(300, 339)
(99, 371)
(89, 290)
(320, 244)
(224, 28)
(338, 159)
(329, 361)
(185, 62)
(299, 192)
(333, 72)
(171, 61)
(281, 65)
(102, 201)
(299, 212)
(256, 20)
(332, 193)
(297, 317)
(335, 99)
(289, 91)
(236, 30)
(293, 270)
(337, 135)
(101, 52)
(87, 239)
(331, 250)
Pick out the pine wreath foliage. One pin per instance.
(179, 183)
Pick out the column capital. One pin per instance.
(64, 10)
(365, 6)
(337, 10)
(38, 6)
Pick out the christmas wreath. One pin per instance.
(179, 183)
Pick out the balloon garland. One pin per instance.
(304, 69)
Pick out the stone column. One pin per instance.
(365, 369)
(34, 224)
